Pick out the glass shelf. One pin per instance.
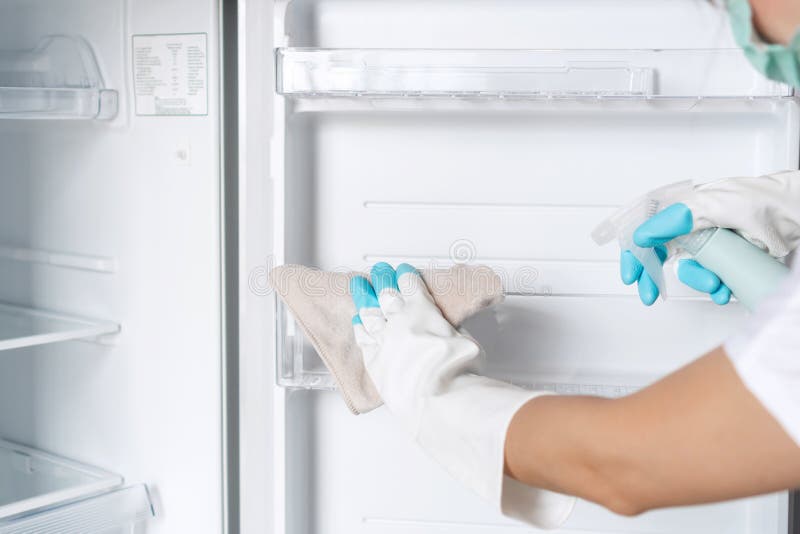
(521, 74)
(59, 79)
(31, 479)
(113, 512)
(26, 327)
(47, 494)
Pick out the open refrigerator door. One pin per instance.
(497, 133)
(110, 329)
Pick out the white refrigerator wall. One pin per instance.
(517, 185)
(142, 192)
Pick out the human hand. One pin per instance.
(764, 210)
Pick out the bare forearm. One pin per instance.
(696, 436)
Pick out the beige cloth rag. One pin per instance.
(321, 305)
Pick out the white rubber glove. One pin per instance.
(765, 210)
(422, 367)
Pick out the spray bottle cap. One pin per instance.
(627, 219)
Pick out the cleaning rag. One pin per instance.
(323, 308)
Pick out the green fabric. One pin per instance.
(776, 62)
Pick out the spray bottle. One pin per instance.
(749, 272)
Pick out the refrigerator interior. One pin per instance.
(110, 323)
(499, 133)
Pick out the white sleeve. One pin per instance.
(766, 354)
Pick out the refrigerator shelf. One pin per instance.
(540, 75)
(47, 494)
(26, 327)
(116, 511)
(59, 79)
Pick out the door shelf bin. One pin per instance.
(26, 327)
(44, 493)
(521, 74)
(300, 367)
(59, 79)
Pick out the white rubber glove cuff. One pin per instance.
(422, 368)
(465, 430)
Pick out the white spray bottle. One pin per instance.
(749, 272)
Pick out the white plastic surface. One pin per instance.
(517, 184)
(59, 79)
(26, 327)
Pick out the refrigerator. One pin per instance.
(158, 158)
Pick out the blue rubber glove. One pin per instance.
(676, 220)
(631, 270)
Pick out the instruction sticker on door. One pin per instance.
(170, 74)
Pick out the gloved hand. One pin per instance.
(765, 210)
(422, 367)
